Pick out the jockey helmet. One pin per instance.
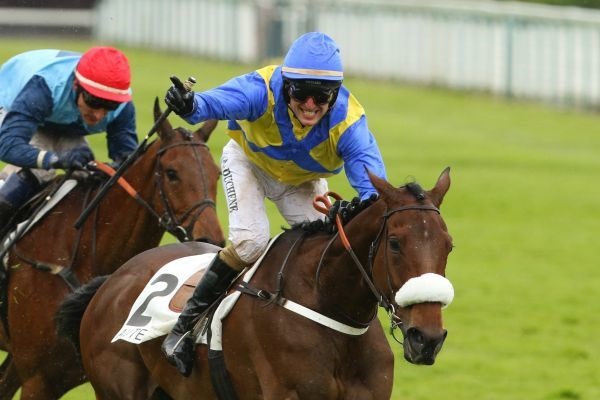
(104, 73)
(313, 56)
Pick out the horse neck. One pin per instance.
(135, 224)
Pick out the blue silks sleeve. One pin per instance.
(121, 136)
(241, 98)
(360, 153)
(28, 111)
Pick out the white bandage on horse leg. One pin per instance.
(426, 288)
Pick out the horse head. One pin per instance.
(187, 179)
(409, 264)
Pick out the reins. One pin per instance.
(324, 208)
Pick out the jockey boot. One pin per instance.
(18, 188)
(179, 344)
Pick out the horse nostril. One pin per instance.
(416, 336)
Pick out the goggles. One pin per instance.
(98, 103)
(301, 92)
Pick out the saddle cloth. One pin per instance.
(157, 307)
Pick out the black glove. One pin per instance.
(338, 207)
(180, 100)
(76, 157)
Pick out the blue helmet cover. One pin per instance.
(313, 55)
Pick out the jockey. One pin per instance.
(51, 99)
(291, 126)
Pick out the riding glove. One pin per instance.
(76, 157)
(179, 99)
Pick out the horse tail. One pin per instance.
(69, 314)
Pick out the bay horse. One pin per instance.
(391, 252)
(175, 182)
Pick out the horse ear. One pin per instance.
(441, 187)
(206, 129)
(165, 130)
(383, 187)
(157, 110)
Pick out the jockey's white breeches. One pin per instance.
(246, 186)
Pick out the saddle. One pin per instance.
(181, 296)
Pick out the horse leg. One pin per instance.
(9, 379)
(375, 375)
(36, 388)
(47, 370)
(50, 384)
(115, 370)
(47, 373)
(47, 366)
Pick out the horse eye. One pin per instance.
(171, 174)
(394, 245)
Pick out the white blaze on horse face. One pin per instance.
(426, 288)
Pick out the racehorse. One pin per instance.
(171, 187)
(392, 251)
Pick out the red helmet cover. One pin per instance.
(104, 72)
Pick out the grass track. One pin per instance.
(523, 209)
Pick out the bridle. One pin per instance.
(395, 321)
(169, 220)
(375, 244)
(382, 300)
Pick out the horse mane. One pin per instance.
(416, 190)
(327, 225)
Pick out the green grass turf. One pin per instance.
(523, 209)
